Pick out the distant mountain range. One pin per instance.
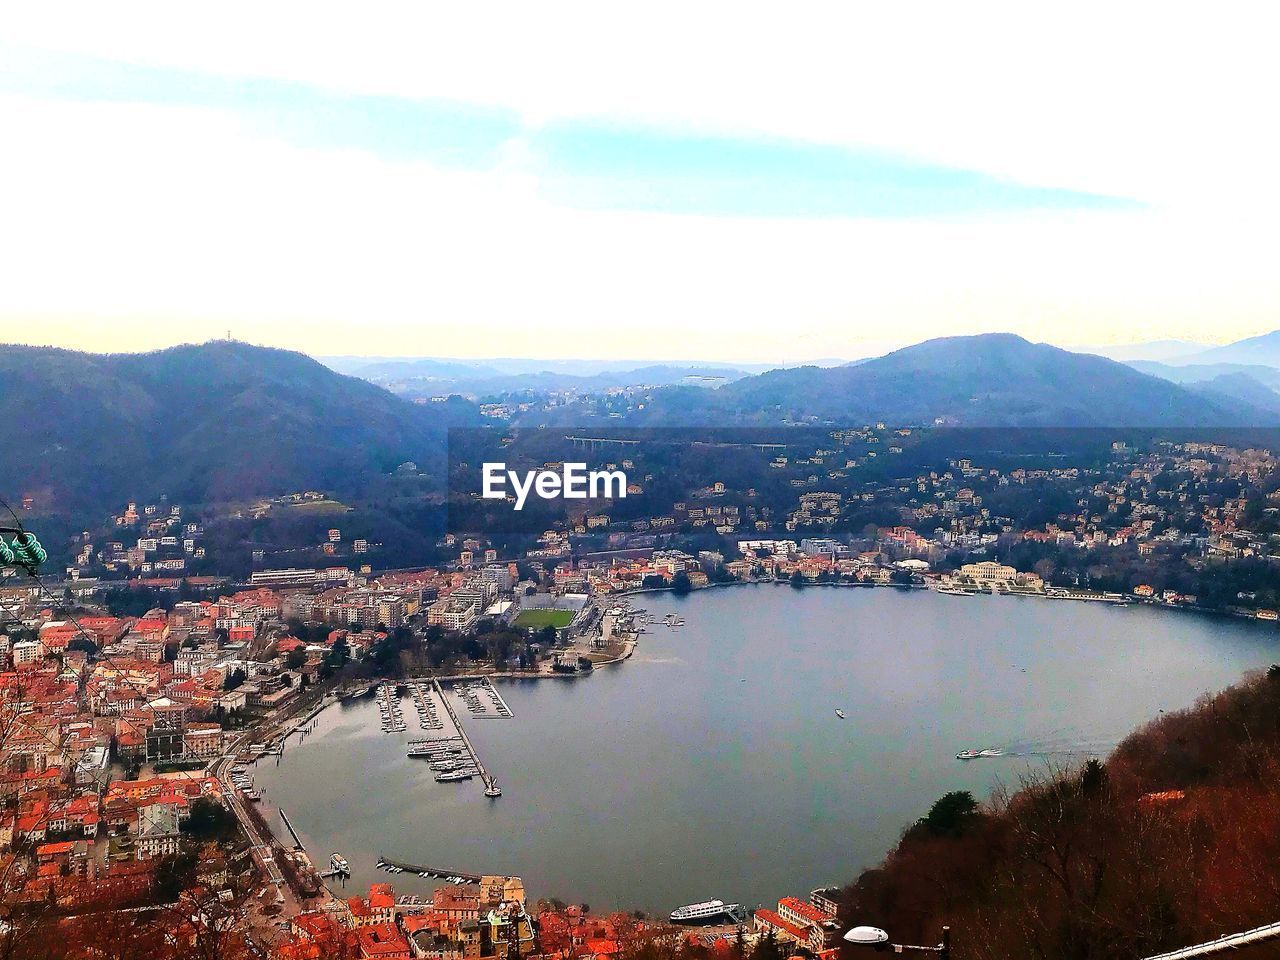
(1263, 350)
(987, 380)
(430, 376)
(1252, 383)
(1159, 351)
(222, 420)
(406, 379)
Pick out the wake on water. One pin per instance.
(1060, 743)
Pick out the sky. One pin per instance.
(731, 182)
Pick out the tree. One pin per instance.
(951, 814)
(210, 820)
(1045, 569)
(296, 658)
(174, 874)
(768, 948)
(234, 679)
(680, 583)
(797, 580)
(1093, 778)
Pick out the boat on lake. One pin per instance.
(979, 754)
(708, 911)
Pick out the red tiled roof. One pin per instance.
(806, 910)
(774, 920)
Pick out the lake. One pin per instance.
(712, 764)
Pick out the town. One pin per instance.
(138, 693)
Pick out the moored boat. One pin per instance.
(708, 911)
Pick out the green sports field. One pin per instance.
(544, 618)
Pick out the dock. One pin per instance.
(490, 784)
(438, 872)
(503, 711)
(297, 841)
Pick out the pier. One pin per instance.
(472, 689)
(437, 872)
(490, 784)
(297, 841)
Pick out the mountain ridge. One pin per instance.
(218, 420)
(983, 380)
(1263, 349)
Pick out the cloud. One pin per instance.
(1144, 101)
(582, 163)
(133, 222)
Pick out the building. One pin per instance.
(454, 613)
(988, 572)
(92, 768)
(165, 737)
(501, 890)
(25, 653)
(383, 941)
(202, 740)
(158, 831)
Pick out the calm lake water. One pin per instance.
(668, 779)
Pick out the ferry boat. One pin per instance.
(338, 863)
(978, 754)
(706, 912)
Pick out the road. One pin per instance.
(265, 849)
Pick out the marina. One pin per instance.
(389, 709)
(491, 788)
(425, 703)
(447, 749)
(483, 699)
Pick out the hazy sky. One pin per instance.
(713, 181)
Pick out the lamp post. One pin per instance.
(877, 939)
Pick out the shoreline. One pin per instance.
(1126, 600)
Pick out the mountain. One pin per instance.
(220, 420)
(1263, 350)
(1249, 383)
(1167, 351)
(483, 386)
(1199, 372)
(1239, 387)
(986, 380)
(376, 367)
